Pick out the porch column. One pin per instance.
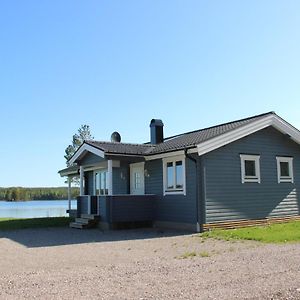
(110, 177)
(81, 180)
(69, 191)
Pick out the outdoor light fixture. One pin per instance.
(122, 176)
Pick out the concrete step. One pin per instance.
(86, 221)
(90, 217)
(82, 220)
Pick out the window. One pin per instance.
(285, 169)
(250, 168)
(101, 183)
(137, 180)
(174, 175)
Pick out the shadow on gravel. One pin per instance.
(48, 237)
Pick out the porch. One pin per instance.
(118, 210)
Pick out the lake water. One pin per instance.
(35, 209)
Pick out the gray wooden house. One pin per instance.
(243, 170)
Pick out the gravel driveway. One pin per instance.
(63, 263)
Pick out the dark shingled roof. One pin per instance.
(178, 142)
(122, 148)
(192, 139)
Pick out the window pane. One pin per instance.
(284, 168)
(137, 180)
(179, 175)
(250, 168)
(105, 183)
(97, 184)
(170, 175)
(102, 183)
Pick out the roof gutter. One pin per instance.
(199, 225)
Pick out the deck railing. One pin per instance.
(118, 208)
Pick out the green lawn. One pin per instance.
(7, 224)
(276, 233)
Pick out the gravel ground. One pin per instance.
(63, 263)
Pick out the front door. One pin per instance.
(137, 180)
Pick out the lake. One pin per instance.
(35, 209)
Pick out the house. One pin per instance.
(242, 170)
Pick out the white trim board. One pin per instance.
(229, 137)
(102, 165)
(83, 149)
(164, 155)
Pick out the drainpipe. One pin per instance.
(199, 226)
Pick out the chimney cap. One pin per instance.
(156, 122)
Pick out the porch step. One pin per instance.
(82, 220)
(90, 216)
(86, 221)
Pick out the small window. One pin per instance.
(137, 180)
(101, 183)
(174, 175)
(250, 169)
(285, 169)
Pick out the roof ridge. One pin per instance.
(222, 124)
(118, 143)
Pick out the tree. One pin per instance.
(84, 133)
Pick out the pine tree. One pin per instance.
(83, 134)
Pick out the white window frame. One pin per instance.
(289, 160)
(256, 159)
(94, 180)
(173, 160)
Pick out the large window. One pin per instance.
(285, 169)
(174, 175)
(101, 183)
(250, 168)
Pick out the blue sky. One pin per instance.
(115, 65)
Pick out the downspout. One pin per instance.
(199, 225)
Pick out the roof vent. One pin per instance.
(115, 137)
(156, 131)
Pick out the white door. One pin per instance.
(137, 180)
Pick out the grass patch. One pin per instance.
(193, 254)
(204, 254)
(12, 224)
(188, 255)
(275, 233)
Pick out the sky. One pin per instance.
(115, 65)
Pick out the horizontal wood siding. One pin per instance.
(82, 203)
(104, 211)
(90, 159)
(131, 208)
(127, 208)
(228, 199)
(172, 208)
(121, 183)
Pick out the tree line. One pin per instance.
(42, 193)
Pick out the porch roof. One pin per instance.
(122, 148)
(72, 170)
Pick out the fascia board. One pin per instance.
(83, 149)
(234, 135)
